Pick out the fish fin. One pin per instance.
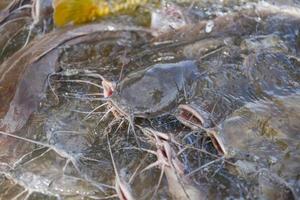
(79, 11)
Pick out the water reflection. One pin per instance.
(50, 95)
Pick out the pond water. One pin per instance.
(57, 128)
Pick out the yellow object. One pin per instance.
(82, 11)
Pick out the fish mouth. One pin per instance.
(108, 88)
(192, 117)
(195, 118)
(165, 153)
(217, 142)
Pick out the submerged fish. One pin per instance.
(180, 186)
(265, 135)
(235, 74)
(153, 91)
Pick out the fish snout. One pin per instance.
(108, 88)
(218, 141)
(193, 116)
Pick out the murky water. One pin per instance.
(55, 133)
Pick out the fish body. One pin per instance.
(155, 90)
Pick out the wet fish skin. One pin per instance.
(155, 90)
